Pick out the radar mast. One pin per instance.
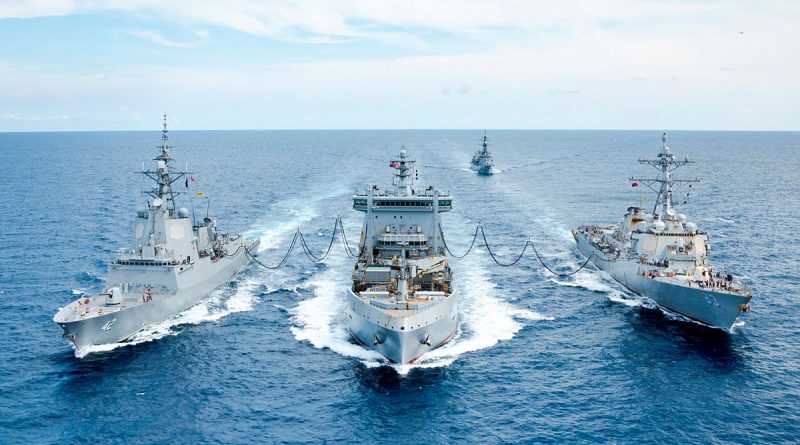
(405, 172)
(164, 175)
(664, 183)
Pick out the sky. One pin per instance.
(371, 64)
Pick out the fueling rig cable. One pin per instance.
(489, 249)
(447, 248)
(339, 226)
(307, 250)
(285, 257)
(347, 248)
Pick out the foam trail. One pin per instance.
(212, 309)
(297, 211)
(601, 282)
(319, 320)
(486, 319)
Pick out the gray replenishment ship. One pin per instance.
(171, 265)
(401, 303)
(482, 161)
(663, 257)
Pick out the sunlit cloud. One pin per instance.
(380, 64)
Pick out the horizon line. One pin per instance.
(407, 129)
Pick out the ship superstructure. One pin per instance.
(172, 263)
(660, 255)
(482, 161)
(401, 302)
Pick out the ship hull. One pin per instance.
(482, 169)
(402, 339)
(712, 308)
(120, 325)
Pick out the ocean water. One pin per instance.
(266, 358)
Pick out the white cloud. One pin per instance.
(157, 38)
(635, 64)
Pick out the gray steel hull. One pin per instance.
(120, 325)
(401, 339)
(716, 309)
(483, 169)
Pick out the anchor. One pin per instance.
(376, 340)
(427, 340)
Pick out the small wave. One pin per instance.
(725, 220)
(320, 320)
(212, 309)
(298, 210)
(601, 282)
(89, 278)
(486, 319)
(738, 324)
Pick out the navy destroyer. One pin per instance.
(661, 256)
(401, 303)
(171, 265)
(482, 161)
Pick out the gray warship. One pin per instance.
(482, 161)
(663, 257)
(401, 303)
(172, 264)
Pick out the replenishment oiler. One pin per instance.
(172, 264)
(661, 256)
(401, 303)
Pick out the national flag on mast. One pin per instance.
(393, 164)
(635, 184)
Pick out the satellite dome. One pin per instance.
(658, 226)
(183, 212)
(648, 217)
(141, 212)
(691, 227)
(641, 226)
(681, 217)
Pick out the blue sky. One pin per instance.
(246, 64)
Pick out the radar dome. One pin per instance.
(691, 227)
(183, 212)
(681, 217)
(658, 226)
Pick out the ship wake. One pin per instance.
(485, 318)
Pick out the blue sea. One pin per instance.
(267, 359)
